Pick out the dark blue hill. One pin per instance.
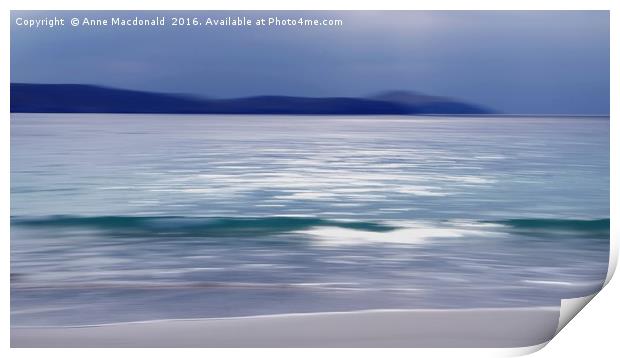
(73, 98)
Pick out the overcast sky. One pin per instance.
(514, 62)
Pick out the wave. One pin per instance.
(579, 225)
(195, 226)
(554, 229)
(182, 226)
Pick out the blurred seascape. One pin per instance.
(120, 218)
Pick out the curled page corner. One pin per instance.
(570, 307)
(523, 351)
(613, 258)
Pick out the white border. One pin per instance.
(593, 329)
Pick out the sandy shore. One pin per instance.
(378, 328)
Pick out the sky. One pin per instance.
(515, 62)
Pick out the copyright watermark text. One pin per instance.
(177, 21)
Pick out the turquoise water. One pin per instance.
(137, 217)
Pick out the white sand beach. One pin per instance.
(513, 327)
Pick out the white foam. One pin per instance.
(336, 236)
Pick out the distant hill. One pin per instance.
(421, 103)
(71, 98)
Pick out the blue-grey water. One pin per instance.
(138, 217)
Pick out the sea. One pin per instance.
(121, 218)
